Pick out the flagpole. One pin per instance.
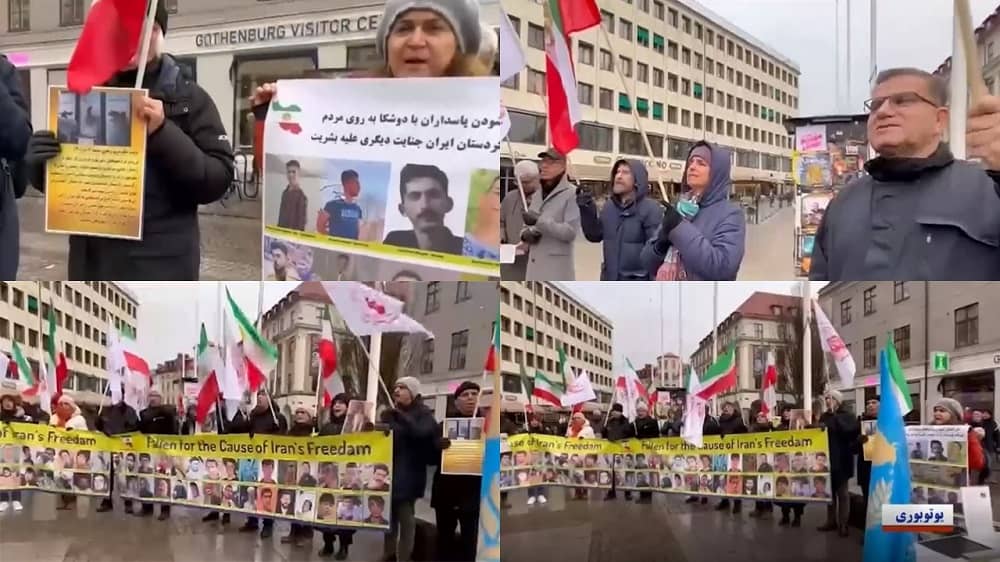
(680, 330)
(635, 112)
(147, 33)
(662, 321)
(807, 389)
(715, 335)
(966, 77)
(380, 382)
(848, 67)
(374, 366)
(517, 178)
(836, 57)
(534, 326)
(41, 344)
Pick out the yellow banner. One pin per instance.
(96, 184)
(342, 480)
(789, 465)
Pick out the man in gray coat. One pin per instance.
(512, 222)
(553, 220)
(919, 214)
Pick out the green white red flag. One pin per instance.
(563, 18)
(56, 362)
(720, 377)
(27, 383)
(333, 383)
(769, 388)
(208, 393)
(260, 355)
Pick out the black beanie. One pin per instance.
(343, 398)
(161, 16)
(617, 408)
(463, 387)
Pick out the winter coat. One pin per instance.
(990, 429)
(454, 491)
(710, 427)
(260, 422)
(414, 445)
(189, 162)
(222, 423)
(956, 235)
(760, 427)
(551, 259)
(117, 419)
(863, 467)
(624, 228)
(301, 429)
(842, 428)
(646, 428)
(333, 427)
(511, 223)
(586, 432)
(732, 424)
(618, 429)
(14, 416)
(76, 421)
(15, 130)
(672, 428)
(712, 244)
(292, 211)
(159, 420)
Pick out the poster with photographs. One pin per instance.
(419, 187)
(783, 465)
(360, 416)
(465, 455)
(868, 429)
(939, 462)
(51, 459)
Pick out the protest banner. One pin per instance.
(939, 463)
(52, 459)
(342, 481)
(465, 455)
(414, 187)
(785, 465)
(95, 186)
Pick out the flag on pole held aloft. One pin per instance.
(512, 62)
(208, 391)
(333, 384)
(769, 388)
(488, 542)
(26, 381)
(579, 391)
(108, 42)
(629, 390)
(563, 18)
(546, 390)
(5, 366)
(231, 385)
(127, 369)
(367, 311)
(57, 370)
(834, 345)
(259, 355)
(890, 477)
(693, 427)
(720, 377)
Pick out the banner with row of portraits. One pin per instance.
(342, 480)
(781, 465)
(939, 463)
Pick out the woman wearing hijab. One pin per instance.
(67, 416)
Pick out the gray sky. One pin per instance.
(170, 314)
(910, 33)
(640, 332)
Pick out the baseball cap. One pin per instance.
(552, 153)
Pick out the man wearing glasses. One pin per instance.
(919, 214)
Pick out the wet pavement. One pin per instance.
(666, 530)
(41, 533)
(230, 243)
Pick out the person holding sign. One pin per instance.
(947, 411)
(263, 420)
(11, 412)
(302, 426)
(455, 497)
(338, 416)
(157, 419)
(116, 419)
(189, 162)
(15, 130)
(864, 467)
(842, 429)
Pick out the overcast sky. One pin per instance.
(910, 33)
(640, 332)
(170, 314)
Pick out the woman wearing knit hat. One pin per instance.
(338, 417)
(415, 39)
(11, 412)
(947, 411)
(842, 429)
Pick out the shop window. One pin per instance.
(972, 391)
(362, 57)
(252, 71)
(526, 128)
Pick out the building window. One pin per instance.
(459, 345)
(607, 62)
(901, 339)
(630, 142)
(758, 330)
(870, 353)
(658, 10)
(869, 301)
(900, 292)
(625, 64)
(657, 78)
(432, 303)
(608, 21)
(686, 24)
(672, 17)
(170, 5)
(586, 53)
(606, 99)
(71, 12)
(462, 292)
(642, 72)
(967, 325)
(536, 36)
(685, 118)
(585, 93)
(536, 82)
(625, 29)
(427, 359)
(19, 14)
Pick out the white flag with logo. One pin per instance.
(368, 311)
(579, 391)
(834, 345)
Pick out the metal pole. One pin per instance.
(662, 341)
(848, 67)
(836, 57)
(147, 33)
(715, 335)
(807, 389)
(873, 43)
(680, 330)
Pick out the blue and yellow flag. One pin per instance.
(489, 500)
(890, 480)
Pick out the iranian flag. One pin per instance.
(208, 392)
(563, 18)
(55, 362)
(629, 390)
(720, 377)
(546, 390)
(900, 390)
(333, 384)
(260, 356)
(769, 388)
(692, 430)
(108, 42)
(26, 381)
(5, 366)
(127, 367)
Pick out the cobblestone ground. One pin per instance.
(769, 249)
(666, 530)
(230, 245)
(40, 533)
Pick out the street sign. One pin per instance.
(940, 361)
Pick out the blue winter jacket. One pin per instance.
(624, 229)
(711, 245)
(15, 130)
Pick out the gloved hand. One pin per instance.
(42, 147)
(443, 443)
(388, 415)
(584, 198)
(671, 218)
(530, 217)
(531, 236)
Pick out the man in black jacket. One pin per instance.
(618, 428)
(864, 467)
(842, 429)
(415, 441)
(189, 162)
(15, 130)
(338, 415)
(263, 420)
(116, 419)
(11, 411)
(302, 426)
(646, 427)
(731, 423)
(762, 509)
(455, 498)
(157, 419)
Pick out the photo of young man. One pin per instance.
(284, 269)
(162, 490)
(379, 480)
(351, 479)
(376, 511)
(265, 499)
(267, 472)
(327, 508)
(286, 503)
(328, 476)
(424, 201)
(306, 478)
(294, 202)
(344, 215)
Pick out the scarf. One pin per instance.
(576, 431)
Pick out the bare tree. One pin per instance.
(790, 356)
